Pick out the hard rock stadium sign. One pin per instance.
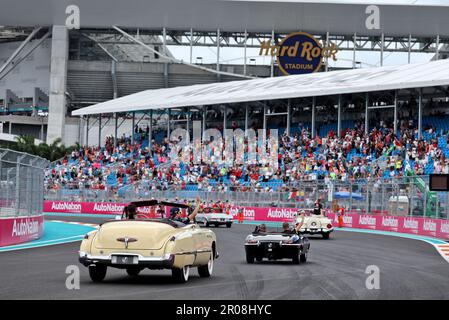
(299, 53)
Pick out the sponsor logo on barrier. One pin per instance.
(369, 221)
(430, 226)
(411, 224)
(248, 213)
(444, 227)
(390, 222)
(282, 213)
(108, 207)
(66, 206)
(22, 228)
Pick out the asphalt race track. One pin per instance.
(409, 269)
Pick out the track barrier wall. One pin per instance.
(14, 230)
(437, 228)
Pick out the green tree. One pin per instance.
(54, 151)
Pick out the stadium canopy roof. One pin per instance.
(429, 74)
(420, 18)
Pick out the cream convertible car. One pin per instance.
(149, 243)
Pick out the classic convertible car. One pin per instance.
(149, 243)
(215, 219)
(314, 224)
(276, 246)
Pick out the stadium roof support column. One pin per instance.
(382, 43)
(420, 114)
(339, 117)
(99, 130)
(150, 132)
(191, 45)
(246, 118)
(244, 53)
(264, 120)
(218, 54)
(326, 68)
(188, 120)
(164, 49)
(366, 113)
(271, 56)
(224, 118)
(409, 48)
(204, 117)
(133, 124)
(168, 123)
(289, 107)
(58, 82)
(395, 126)
(313, 117)
(116, 129)
(354, 51)
(87, 130)
(437, 48)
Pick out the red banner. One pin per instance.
(413, 225)
(19, 230)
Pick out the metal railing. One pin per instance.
(21, 183)
(408, 196)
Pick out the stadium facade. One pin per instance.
(48, 71)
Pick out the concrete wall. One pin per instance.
(32, 72)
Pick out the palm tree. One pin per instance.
(54, 151)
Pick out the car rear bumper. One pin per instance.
(316, 231)
(165, 262)
(277, 252)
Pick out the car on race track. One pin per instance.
(215, 219)
(155, 243)
(276, 246)
(316, 224)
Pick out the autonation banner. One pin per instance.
(18, 230)
(413, 225)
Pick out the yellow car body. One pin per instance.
(138, 244)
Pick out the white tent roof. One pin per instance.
(435, 73)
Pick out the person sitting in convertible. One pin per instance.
(260, 228)
(175, 214)
(130, 212)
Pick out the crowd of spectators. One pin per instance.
(352, 156)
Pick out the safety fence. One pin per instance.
(21, 196)
(431, 227)
(407, 196)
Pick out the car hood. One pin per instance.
(141, 235)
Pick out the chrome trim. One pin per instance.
(109, 257)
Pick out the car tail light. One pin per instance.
(329, 226)
(86, 236)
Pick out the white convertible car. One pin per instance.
(215, 219)
(314, 224)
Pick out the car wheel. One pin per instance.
(249, 258)
(181, 275)
(259, 259)
(295, 259)
(228, 225)
(303, 257)
(97, 273)
(206, 270)
(206, 223)
(133, 272)
(326, 235)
